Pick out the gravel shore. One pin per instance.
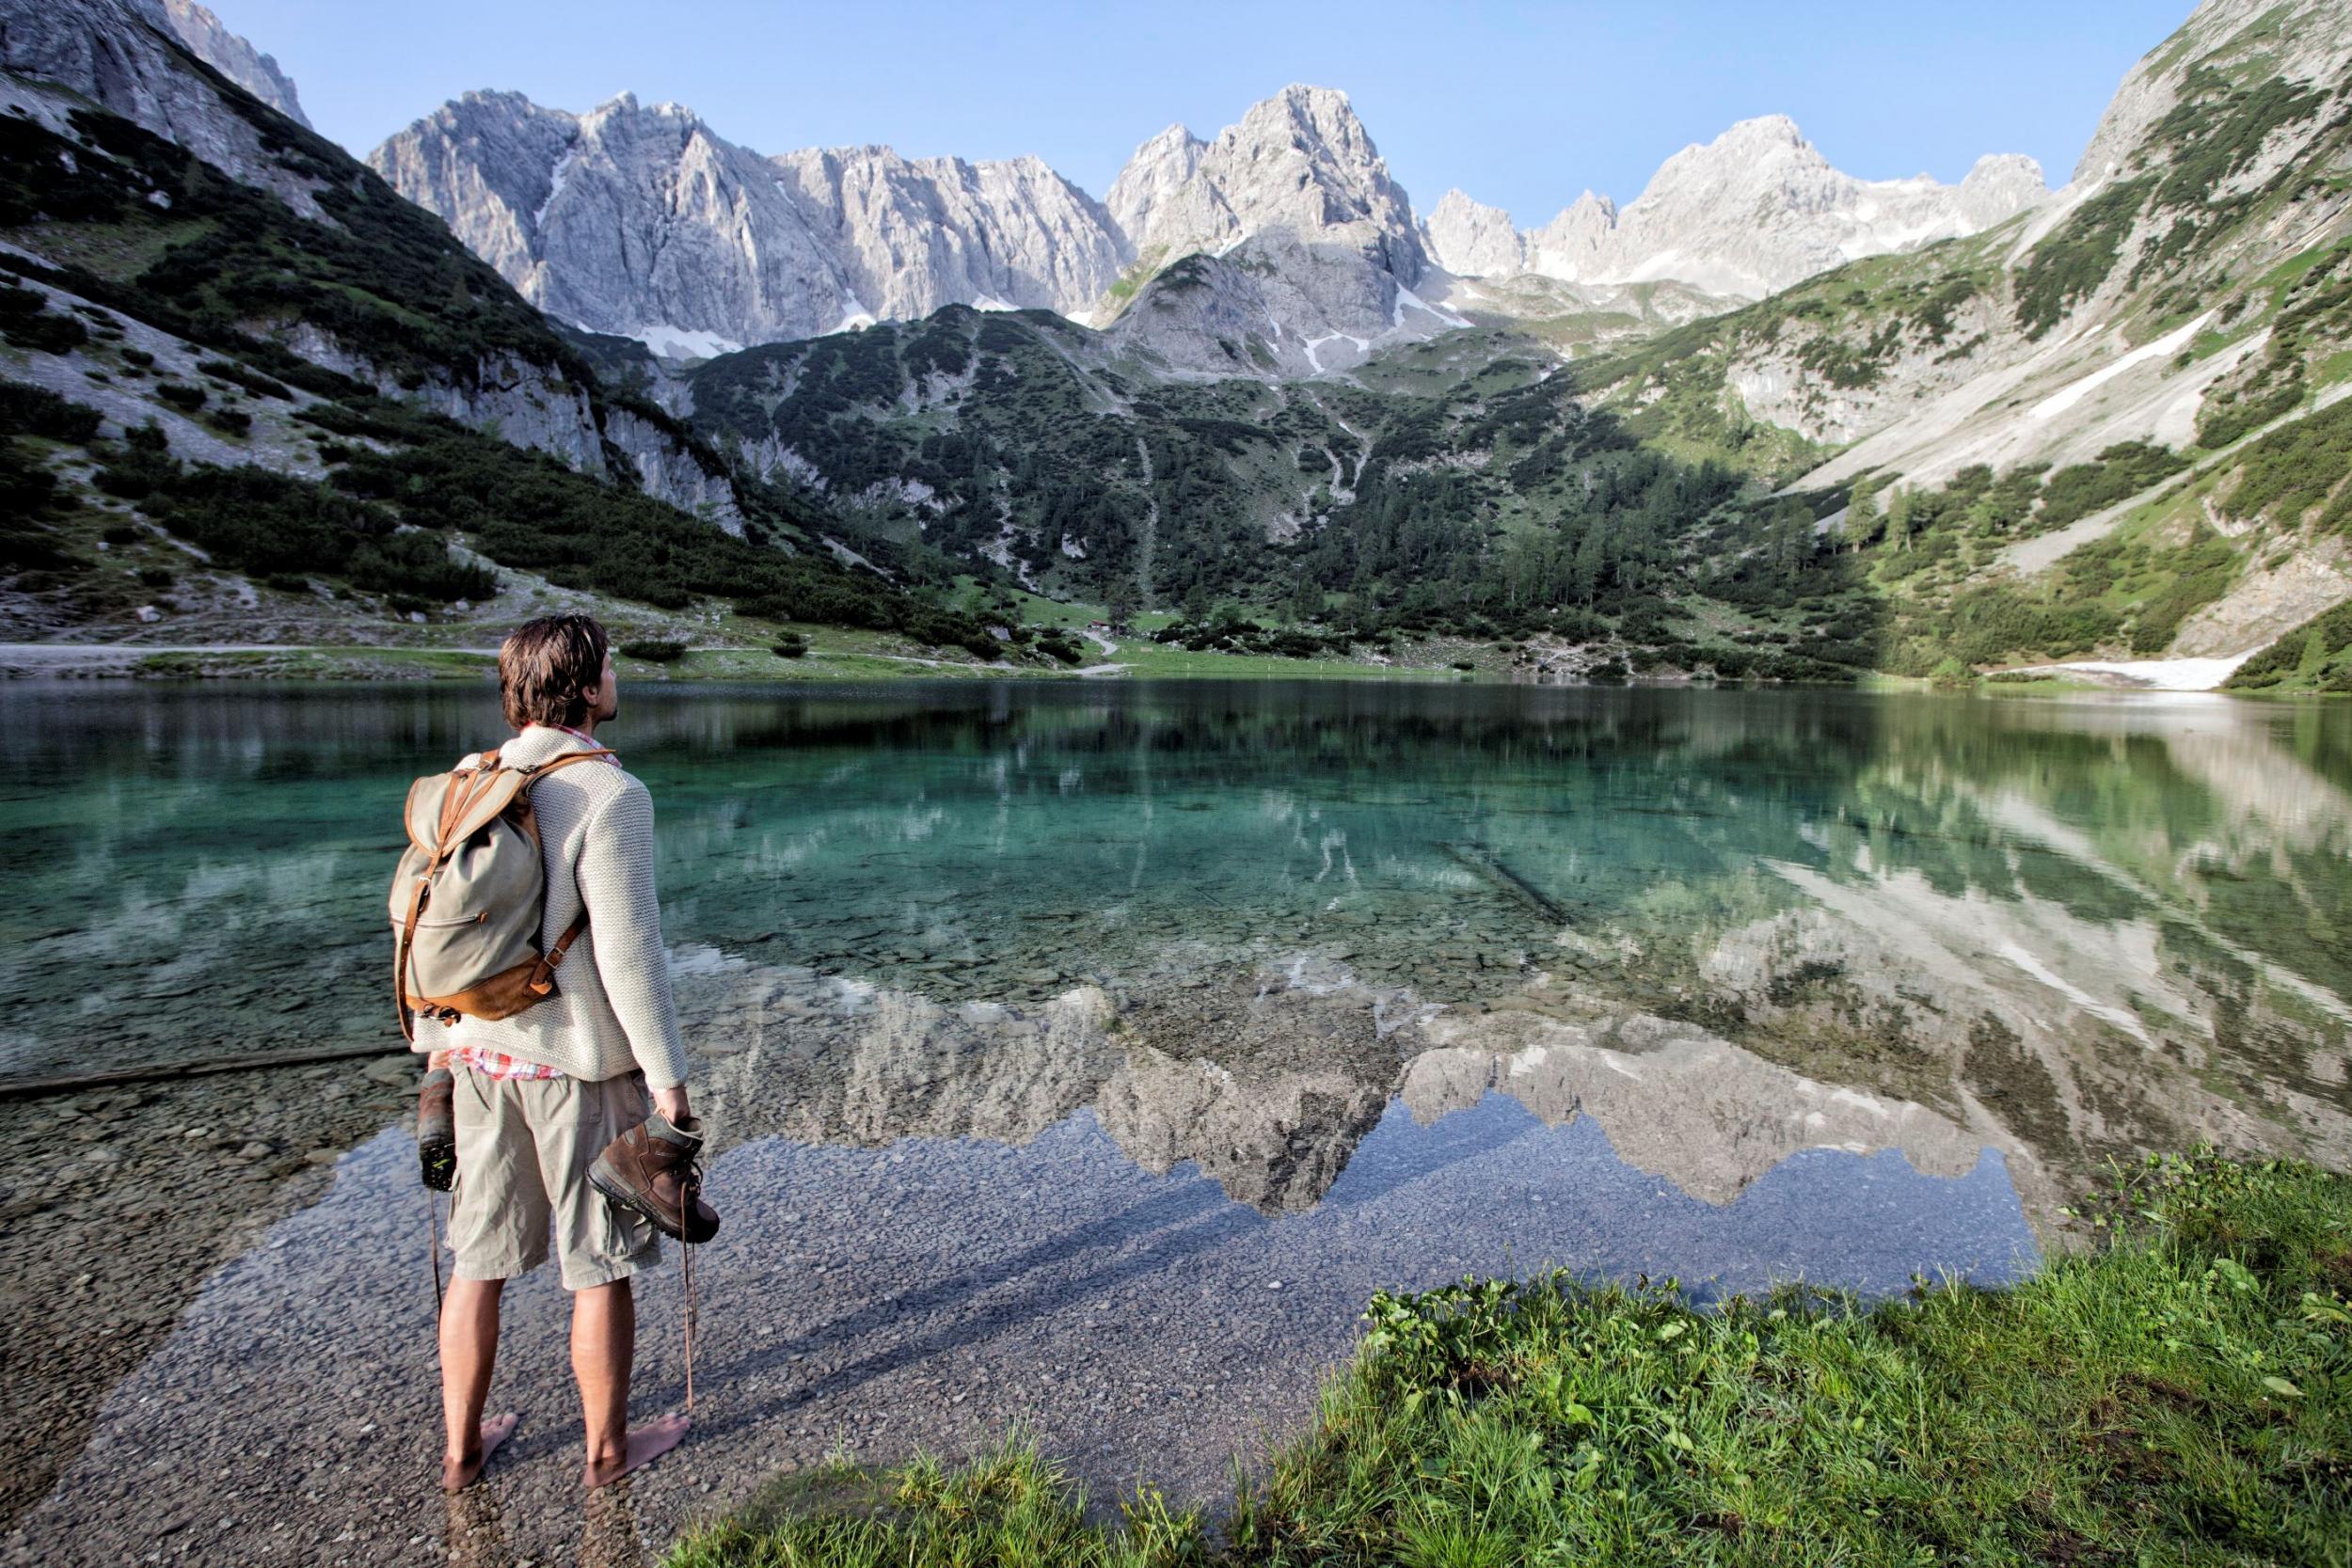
(872, 1301)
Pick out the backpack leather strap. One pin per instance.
(543, 973)
(540, 771)
(399, 962)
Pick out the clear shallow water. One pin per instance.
(1239, 921)
(1086, 1055)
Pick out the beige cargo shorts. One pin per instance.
(524, 1147)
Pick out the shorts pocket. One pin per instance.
(627, 1233)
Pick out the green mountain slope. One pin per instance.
(2108, 430)
(2104, 430)
(2114, 423)
(1463, 485)
(281, 402)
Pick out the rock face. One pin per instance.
(234, 58)
(1748, 214)
(1299, 164)
(1472, 239)
(1289, 249)
(914, 235)
(2303, 40)
(131, 57)
(124, 56)
(2064, 386)
(640, 220)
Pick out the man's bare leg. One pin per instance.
(604, 1345)
(469, 1348)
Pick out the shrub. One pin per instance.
(2120, 472)
(186, 399)
(2071, 263)
(48, 334)
(654, 650)
(26, 489)
(791, 645)
(245, 376)
(29, 410)
(2301, 654)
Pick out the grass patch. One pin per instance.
(2180, 1393)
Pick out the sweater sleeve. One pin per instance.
(615, 876)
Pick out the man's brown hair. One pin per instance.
(546, 666)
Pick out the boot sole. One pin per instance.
(609, 1182)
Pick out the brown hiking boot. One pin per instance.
(436, 1128)
(651, 1169)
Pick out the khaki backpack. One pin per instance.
(471, 893)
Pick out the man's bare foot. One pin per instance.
(646, 1444)
(464, 1469)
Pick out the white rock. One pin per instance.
(234, 58)
(1750, 213)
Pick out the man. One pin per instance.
(539, 1095)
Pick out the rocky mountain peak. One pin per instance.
(1311, 115)
(1999, 185)
(1299, 163)
(642, 220)
(1472, 239)
(1154, 174)
(1760, 134)
(1749, 156)
(234, 58)
(1761, 207)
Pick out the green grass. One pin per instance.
(2178, 1393)
(319, 664)
(1144, 656)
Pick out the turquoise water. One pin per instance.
(2051, 930)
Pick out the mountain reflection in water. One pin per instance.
(1236, 923)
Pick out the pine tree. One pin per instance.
(1585, 570)
(1898, 517)
(1307, 603)
(1862, 515)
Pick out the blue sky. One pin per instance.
(1522, 105)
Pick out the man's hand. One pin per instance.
(672, 1104)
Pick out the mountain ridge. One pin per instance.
(1743, 216)
(1334, 244)
(2108, 425)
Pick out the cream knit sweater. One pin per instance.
(612, 1010)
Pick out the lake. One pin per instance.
(1085, 1055)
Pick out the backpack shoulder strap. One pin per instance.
(539, 770)
(474, 804)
